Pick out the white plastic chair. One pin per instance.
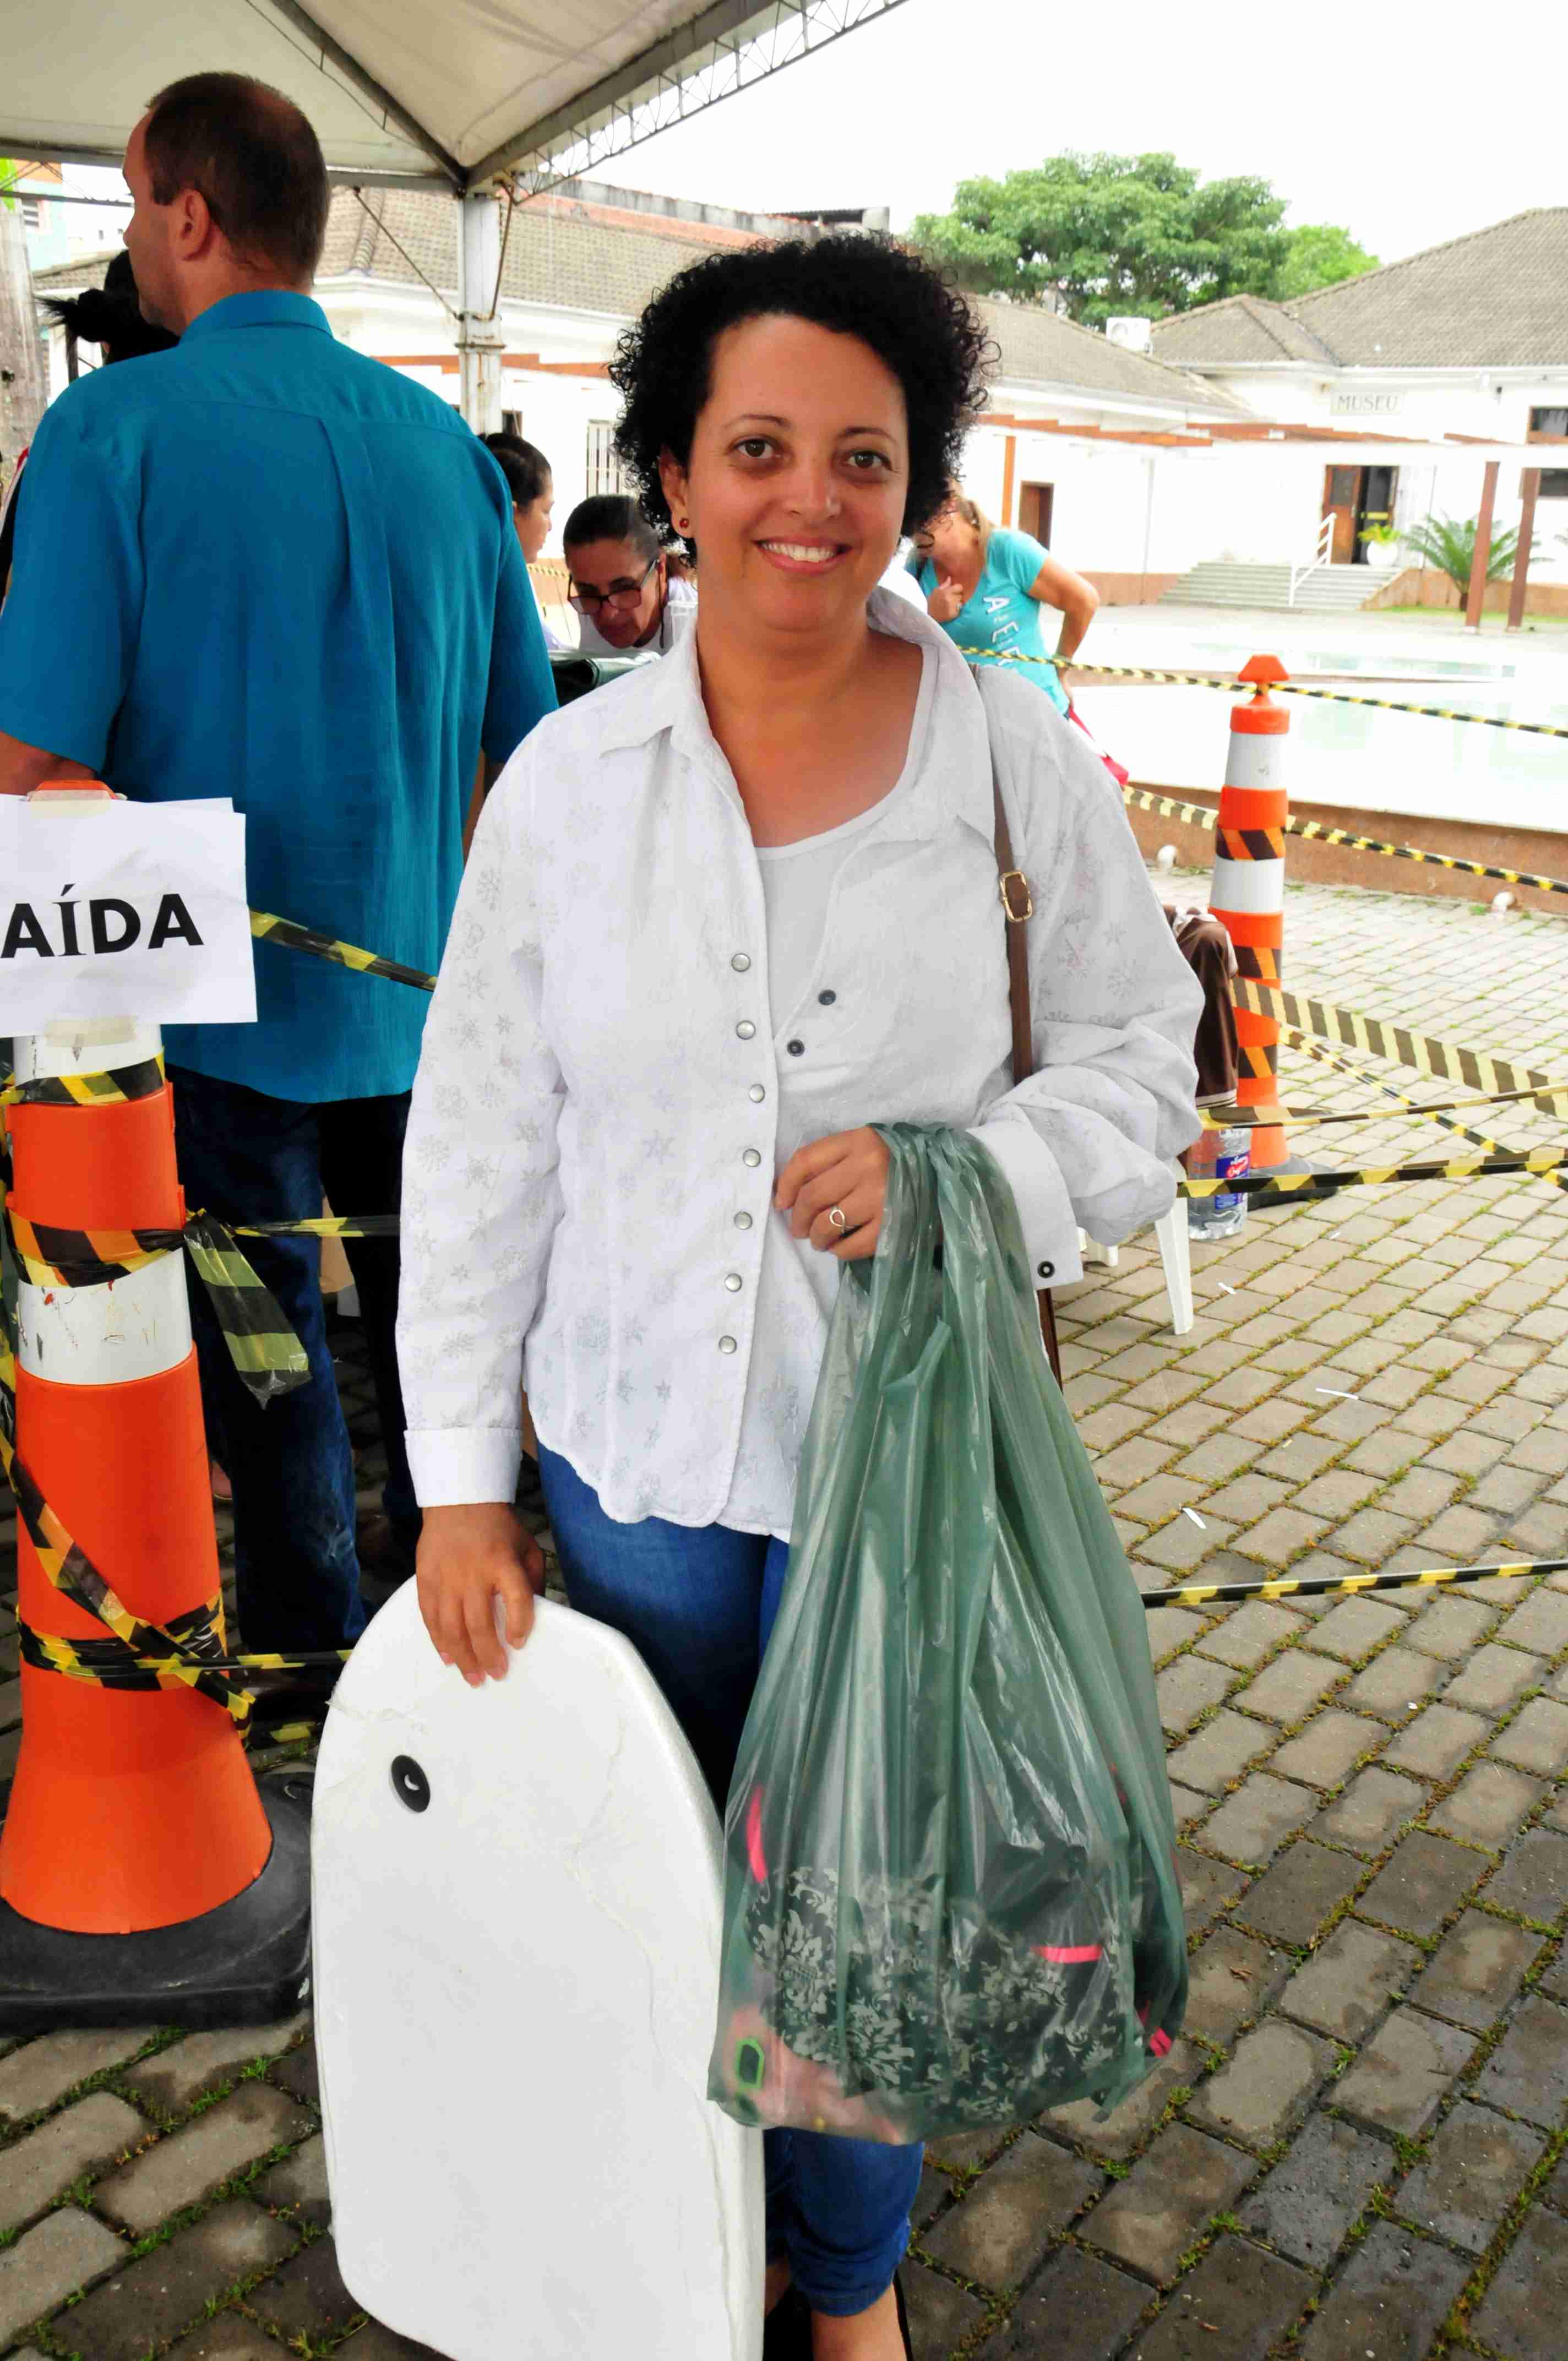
(1176, 1260)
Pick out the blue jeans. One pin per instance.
(698, 1604)
(246, 1157)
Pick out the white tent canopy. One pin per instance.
(452, 90)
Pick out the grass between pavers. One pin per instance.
(47, 2333)
(104, 2079)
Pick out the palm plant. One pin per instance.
(1450, 545)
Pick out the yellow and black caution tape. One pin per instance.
(1275, 688)
(50, 1255)
(266, 927)
(96, 1663)
(1206, 816)
(142, 1081)
(1400, 705)
(1423, 1053)
(264, 1348)
(324, 1225)
(1443, 1115)
(265, 1351)
(189, 1651)
(194, 1646)
(1275, 1189)
(1321, 835)
(1313, 1585)
(186, 1652)
(1172, 808)
(1300, 1118)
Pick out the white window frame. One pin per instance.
(601, 467)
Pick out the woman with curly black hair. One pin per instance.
(720, 919)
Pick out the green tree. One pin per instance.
(1450, 545)
(1319, 255)
(1139, 234)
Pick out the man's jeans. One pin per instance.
(246, 1157)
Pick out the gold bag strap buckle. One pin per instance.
(1021, 909)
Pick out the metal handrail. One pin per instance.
(1320, 556)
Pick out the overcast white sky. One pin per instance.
(1361, 112)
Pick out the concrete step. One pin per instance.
(1331, 590)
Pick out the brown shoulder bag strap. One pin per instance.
(1018, 908)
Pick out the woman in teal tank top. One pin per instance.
(986, 586)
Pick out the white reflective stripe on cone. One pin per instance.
(1257, 760)
(86, 1045)
(138, 1327)
(1256, 887)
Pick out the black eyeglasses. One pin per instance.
(620, 594)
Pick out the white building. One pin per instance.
(1465, 342)
(1132, 464)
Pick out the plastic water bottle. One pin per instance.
(1218, 1155)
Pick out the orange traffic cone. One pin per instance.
(141, 1878)
(1248, 890)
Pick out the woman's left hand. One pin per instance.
(845, 1173)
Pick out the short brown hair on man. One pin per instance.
(254, 157)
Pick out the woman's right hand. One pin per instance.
(945, 600)
(468, 1557)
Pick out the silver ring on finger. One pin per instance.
(838, 1218)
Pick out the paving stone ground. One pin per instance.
(1358, 2145)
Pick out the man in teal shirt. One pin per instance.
(265, 566)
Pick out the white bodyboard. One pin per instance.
(516, 1985)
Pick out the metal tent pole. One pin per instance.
(480, 341)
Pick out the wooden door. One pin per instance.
(1379, 489)
(1035, 512)
(1341, 501)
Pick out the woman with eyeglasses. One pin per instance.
(628, 599)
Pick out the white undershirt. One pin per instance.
(798, 879)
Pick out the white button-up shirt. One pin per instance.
(605, 1097)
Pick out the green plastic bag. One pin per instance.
(950, 1895)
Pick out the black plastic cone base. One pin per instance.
(247, 1962)
(1287, 1166)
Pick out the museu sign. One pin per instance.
(1347, 404)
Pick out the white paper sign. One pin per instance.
(123, 909)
